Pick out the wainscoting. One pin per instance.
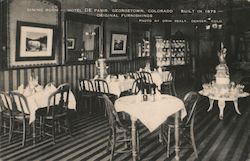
(12, 78)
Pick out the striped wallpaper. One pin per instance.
(12, 78)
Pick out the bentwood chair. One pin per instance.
(56, 114)
(135, 89)
(168, 87)
(20, 114)
(186, 125)
(119, 131)
(5, 113)
(86, 94)
(147, 80)
(101, 87)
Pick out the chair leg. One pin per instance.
(138, 144)
(11, 129)
(161, 134)
(41, 127)
(53, 131)
(173, 86)
(125, 137)
(193, 141)
(24, 132)
(1, 123)
(168, 142)
(109, 140)
(113, 144)
(69, 126)
(90, 106)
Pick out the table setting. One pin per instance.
(118, 84)
(37, 96)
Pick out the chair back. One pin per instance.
(101, 86)
(58, 100)
(19, 102)
(114, 120)
(190, 102)
(146, 77)
(137, 86)
(135, 75)
(147, 82)
(5, 102)
(86, 85)
(171, 76)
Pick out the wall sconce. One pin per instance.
(90, 34)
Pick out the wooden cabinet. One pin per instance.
(173, 51)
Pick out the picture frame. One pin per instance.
(35, 41)
(71, 43)
(118, 44)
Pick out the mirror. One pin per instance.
(141, 39)
(84, 35)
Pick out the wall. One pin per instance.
(205, 43)
(11, 79)
(115, 25)
(20, 11)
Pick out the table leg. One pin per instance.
(34, 132)
(176, 132)
(236, 107)
(211, 103)
(134, 140)
(221, 104)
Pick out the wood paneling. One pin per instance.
(11, 79)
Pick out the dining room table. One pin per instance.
(38, 98)
(118, 85)
(152, 114)
(222, 99)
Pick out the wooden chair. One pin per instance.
(5, 113)
(135, 89)
(186, 125)
(147, 81)
(20, 114)
(102, 87)
(86, 94)
(168, 87)
(118, 126)
(56, 114)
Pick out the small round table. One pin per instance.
(222, 101)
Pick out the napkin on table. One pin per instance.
(96, 76)
(108, 79)
(121, 77)
(20, 89)
(50, 87)
(38, 88)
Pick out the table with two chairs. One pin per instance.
(22, 106)
(152, 114)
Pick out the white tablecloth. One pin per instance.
(40, 99)
(151, 114)
(117, 86)
(159, 77)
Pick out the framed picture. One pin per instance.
(35, 41)
(71, 43)
(118, 44)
